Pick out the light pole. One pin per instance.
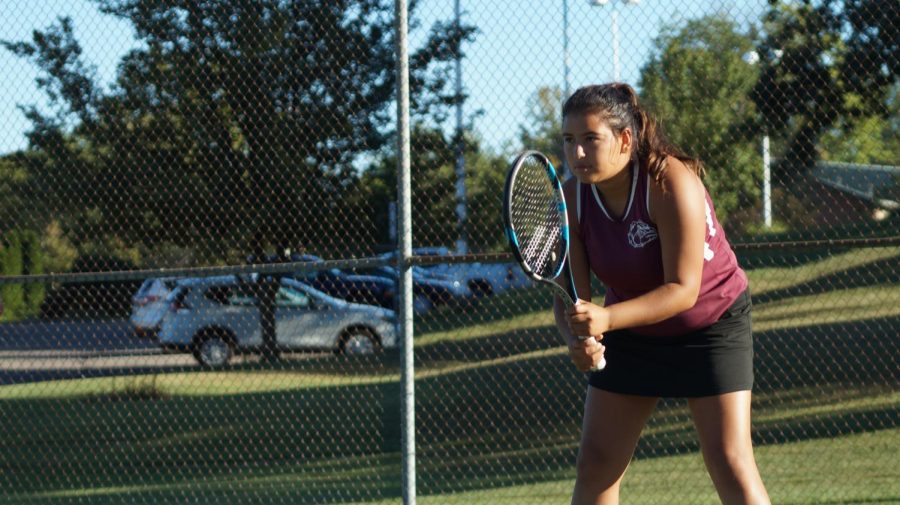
(767, 182)
(615, 31)
(567, 62)
(752, 58)
(462, 241)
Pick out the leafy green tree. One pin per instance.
(230, 120)
(698, 82)
(433, 184)
(20, 251)
(32, 264)
(827, 66)
(871, 139)
(543, 129)
(487, 175)
(15, 185)
(11, 263)
(59, 252)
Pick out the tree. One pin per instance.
(434, 194)
(697, 83)
(543, 130)
(870, 139)
(229, 119)
(17, 210)
(826, 66)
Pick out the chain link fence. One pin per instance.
(191, 192)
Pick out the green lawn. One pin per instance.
(326, 430)
(790, 472)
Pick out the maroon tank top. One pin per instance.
(625, 255)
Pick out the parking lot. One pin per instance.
(57, 350)
(51, 350)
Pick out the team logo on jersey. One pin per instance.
(640, 234)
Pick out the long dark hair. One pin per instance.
(617, 104)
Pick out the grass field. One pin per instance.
(326, 430)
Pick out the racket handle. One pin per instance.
(600, 364)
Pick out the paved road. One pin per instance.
(48, 350)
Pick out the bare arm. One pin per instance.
(680, 217)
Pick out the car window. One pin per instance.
(177, 294)
(288, 297)
(243, 295)
(145, 287)
(219, 294)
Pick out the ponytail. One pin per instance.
(618, 105)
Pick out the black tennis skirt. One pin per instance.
(714, 360)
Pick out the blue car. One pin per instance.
(379, 286)
(429, 290)
(367, 290)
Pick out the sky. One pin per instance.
(518, 49)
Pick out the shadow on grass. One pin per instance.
(790, 256)
(881, 272)
(857, 352)
(484, 427)
(509, 304)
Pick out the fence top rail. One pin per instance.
(259, 269)
(423, 260)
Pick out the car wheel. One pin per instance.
(212, 350)
(359, 342)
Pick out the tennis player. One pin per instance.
(676, 318)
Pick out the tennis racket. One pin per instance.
(537, 225)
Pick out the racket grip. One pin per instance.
(600, 364)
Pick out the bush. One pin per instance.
(89, 300)
(13, 295)
(32, 264)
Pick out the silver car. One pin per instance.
(148, 306)
(216, 317)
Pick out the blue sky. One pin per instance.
(104, 40)
(519, 49)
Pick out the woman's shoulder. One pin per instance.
(674, 174)
(674, 167)
(675, 182)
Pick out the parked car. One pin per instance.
(485, 279)
(217, 317)
(355, 288)
(337, 283)
(481, 279)
(148, 306)
(429, 290)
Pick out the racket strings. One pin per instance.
(536, 219)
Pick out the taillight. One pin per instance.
(147, 299)
(177, 305)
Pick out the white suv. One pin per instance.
(215, 317)
(148, 306)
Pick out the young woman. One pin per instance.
(676, 318)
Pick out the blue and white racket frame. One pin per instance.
(567, 290)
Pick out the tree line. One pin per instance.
(233, 122)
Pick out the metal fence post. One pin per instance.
(404, 193)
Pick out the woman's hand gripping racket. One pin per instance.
(537, 225)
